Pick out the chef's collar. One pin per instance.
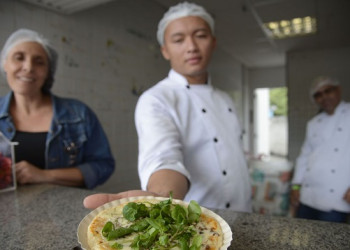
(341, 108)
(180, 79)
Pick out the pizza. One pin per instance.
(154, 223)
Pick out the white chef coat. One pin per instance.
(323, 166)
(193, 129)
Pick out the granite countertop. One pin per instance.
(47, 217)
(256, 231)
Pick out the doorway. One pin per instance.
(271, 122)
(270, 170)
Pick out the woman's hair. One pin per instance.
(180, 10)
(26, 35)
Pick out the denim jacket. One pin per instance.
(75, 139)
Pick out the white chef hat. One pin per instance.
(182, 10)
(321, 81)
(27, 35)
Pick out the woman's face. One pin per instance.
(27, 68)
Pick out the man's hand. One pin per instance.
(294, 201)
(294, 198)
(347, 196)
(96, 200)
(161, 183)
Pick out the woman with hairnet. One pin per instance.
(60, 140)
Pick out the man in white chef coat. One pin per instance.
(188, 131)
(321, 181)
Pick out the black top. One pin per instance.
(31, 147)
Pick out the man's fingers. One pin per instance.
(96, 200)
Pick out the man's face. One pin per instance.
(188, 45)
(327, 98)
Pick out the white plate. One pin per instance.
(84, 224)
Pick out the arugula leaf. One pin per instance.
(163, 240)
(108, 227)
(138, 226)
(152, 234)
(135, 244)
(117, 246)
(154, 213)
(157, 224)
(179, 214)
(133, 211)
(196, 242)
(194, 211)
(183, 244)
(119, 232)
(144, 241)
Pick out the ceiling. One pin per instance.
(67, 6)
(239, 25)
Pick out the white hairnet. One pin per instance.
(26, 35)
(182, 10)
(321, 81)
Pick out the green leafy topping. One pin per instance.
(163, 225)
(108, 227)
(196, 242)
(117, 246)
(138, 226)
(194, 211)
(133, 211)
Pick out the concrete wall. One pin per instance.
(109, 55)
(302, 68)
(273, 77)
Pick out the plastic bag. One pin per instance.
(7, 164)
